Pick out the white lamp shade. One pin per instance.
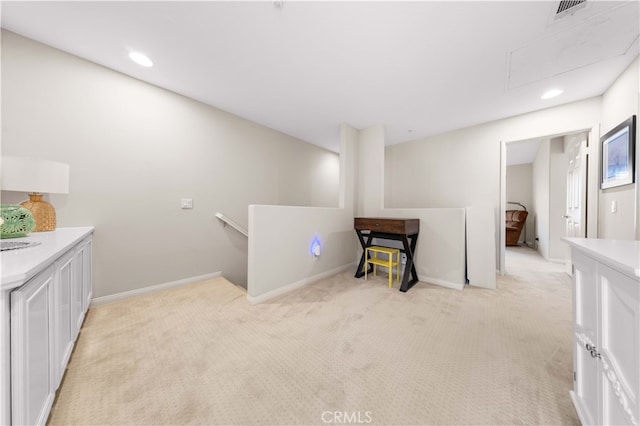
(26, 174)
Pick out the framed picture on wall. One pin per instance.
(618, 154)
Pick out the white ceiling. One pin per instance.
(522, 152)
(303, 68)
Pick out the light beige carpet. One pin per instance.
(329, 352)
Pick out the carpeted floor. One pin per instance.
(342, 350)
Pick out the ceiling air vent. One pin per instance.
(568, 7)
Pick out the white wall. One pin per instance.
(440, 251)
(619, 103)
(371, 171)
(280, 240)
(541, 197)
(276, 269)
(520, 189)
(462, 168)
(134, 151)
(281, 237)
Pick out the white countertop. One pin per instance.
(622, 255)
(20, 265)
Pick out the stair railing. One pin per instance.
(226, 221)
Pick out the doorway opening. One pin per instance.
(546, 180)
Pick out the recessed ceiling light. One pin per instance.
(140, 59)
(551, 93)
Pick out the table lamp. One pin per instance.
(36, 177)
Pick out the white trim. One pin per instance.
(298, 284)
(429, 280)
(441, 283)
(502, 216)
(579, 407)
(152, 289)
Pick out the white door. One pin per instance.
(77, 298)
(32, 350)
(64, 326)
(87, 279)
(586, 387)
(619, 347)
(576, 192)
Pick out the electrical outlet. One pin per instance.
(614, 206)
(186, 203)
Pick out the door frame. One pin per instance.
(592, 188)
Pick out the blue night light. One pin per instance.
(315, 247)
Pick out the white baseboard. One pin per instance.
(293, 286)
(298, 284)
(152, 289)
(436, 281)
(442, 283)
(580, 409)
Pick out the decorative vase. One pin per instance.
(43, 213)
(16, 221)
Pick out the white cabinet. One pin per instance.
(87, 269)
(606, 277)
(64, 285)
(619, 340)
(82, 291)
(32, 350)
(585, 327)
(48, 290)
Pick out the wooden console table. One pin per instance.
(405, 230)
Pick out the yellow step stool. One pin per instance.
(389, 261)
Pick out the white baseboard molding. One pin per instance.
(298, 284)
(423, 279)
(102, 300)
(441, 283)
(580, 409)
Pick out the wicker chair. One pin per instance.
(515, 220)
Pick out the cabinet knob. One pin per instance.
(592, 350)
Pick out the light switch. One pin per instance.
(186, 203)
(614, 206)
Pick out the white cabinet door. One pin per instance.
(619, 347)
(32, 349)
(77, 290)
(585, 292)
(64, 324)
(87, 291)
(606, 343)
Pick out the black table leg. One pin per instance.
(409, 268)
(410, 275)
(360, 270)
(414, 240)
